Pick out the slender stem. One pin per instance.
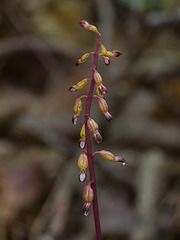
(89, 147)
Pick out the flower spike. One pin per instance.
(86, 158)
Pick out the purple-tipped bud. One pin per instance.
(74, 120)
(88, 26)
(107, 155)
(72, 89)
(106, 61)
(102, 89)
(116, 53)
(120, 159)
(86, 207)
(82, 176)
(82, 143)
(83, 23)
(108, 116)
(97, 137)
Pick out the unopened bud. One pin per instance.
(88, 194)
(102, 89)
(78, 106)
(106, 61)
(116, 53)
(74, 119)
(82, 132)
(103, 105)
(88, 26)
(108, 116)
(82, 176)
(98, 92)
(73, 88)
(79, 85)
(97, 77)
(107, 155)
(82, 141)
(77, 110)
(86, 207)
(92, 125)
(83, 58)
(104, 109)
(120, 159)
(103, 49)
(97, 137)
(82, 83)
(83, 161)
(84, 23)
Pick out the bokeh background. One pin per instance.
(40, 196)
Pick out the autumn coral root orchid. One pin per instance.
(86, 158)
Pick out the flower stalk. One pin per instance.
(86, 158)
(88, 144)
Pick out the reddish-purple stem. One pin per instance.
(89, 147)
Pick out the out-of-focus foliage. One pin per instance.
(40, 196)
(147, 5)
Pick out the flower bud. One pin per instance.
(73, 88)
(83, 161)
(83, 58)
(103, 105)
(74, 119)
(97, 137)
(86, 207)
(107, 155)
(98, 92)
(82, 141)
(106, 61)
(97, 77)
(82, 176)
(120, 159)
(88, 194)
(103, 49)
(102, 89)
(108, 116)
(78, 106)
(84, 23)
(77, 110)
(114, 53)
(92, 125)
(79, 85)
(104, 109)
(88, 26)
(110, 157)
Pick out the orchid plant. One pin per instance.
(86, 158)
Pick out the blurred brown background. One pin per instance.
(40, 196)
